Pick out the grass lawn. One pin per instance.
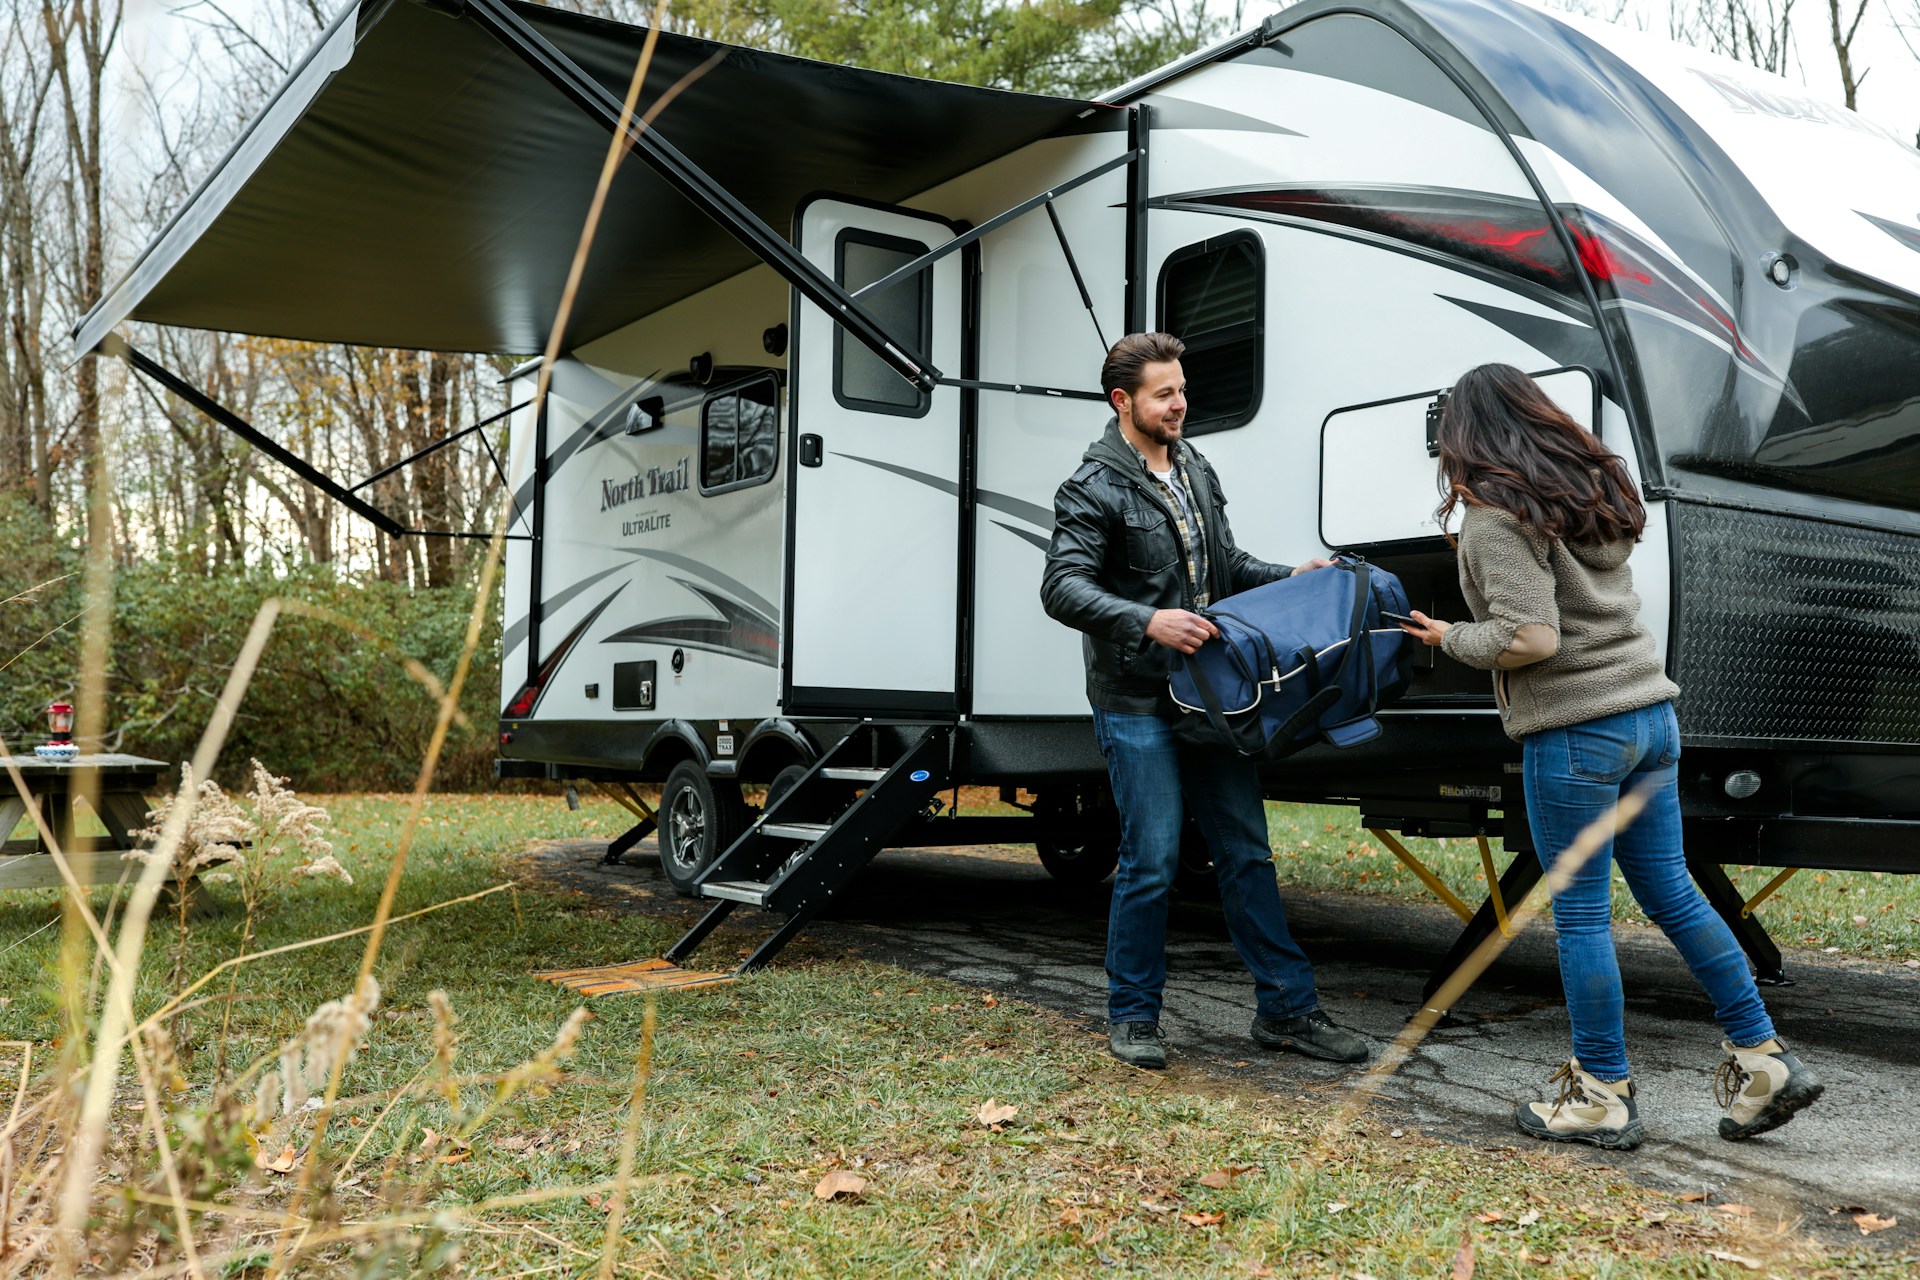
(822, 1064)
(1870, 915)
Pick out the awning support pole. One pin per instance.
(1021, 389)
(994, 223)
(1073, 265)
(438, 445)
(114, 345)
(526, 43)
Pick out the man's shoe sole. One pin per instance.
(1623, 1139)
(1144, 1064)
(1801, 1091)
(1268, 1040)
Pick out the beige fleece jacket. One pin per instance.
(1558, 625)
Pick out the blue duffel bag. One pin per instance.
(1303, 660)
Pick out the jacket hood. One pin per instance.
(1601, 555)
(1112, 449)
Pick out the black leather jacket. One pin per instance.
(1116, 558)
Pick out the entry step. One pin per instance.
(854, 775)
(751, 892)
(795, 830)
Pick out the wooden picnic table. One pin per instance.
(115, 787)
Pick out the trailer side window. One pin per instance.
(1212, 297)
(905, 310)
(739, 436)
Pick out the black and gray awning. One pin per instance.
(415, 184)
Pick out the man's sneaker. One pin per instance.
(1761, 1088)
(1312, 1034)
(1587, 1110)
(1138, 1044)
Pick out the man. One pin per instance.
(1140, 542)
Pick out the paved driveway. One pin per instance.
(994, 919)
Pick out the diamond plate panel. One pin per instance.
(1795, 630)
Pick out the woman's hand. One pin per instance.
(1430, 632)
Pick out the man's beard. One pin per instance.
(1161, 432)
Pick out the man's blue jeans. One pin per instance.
(1575, 774)
(1155, 782)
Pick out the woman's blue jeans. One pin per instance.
(1573, 776)
(1156, 781)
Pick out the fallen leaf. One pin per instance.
(1203, 1219)
(1734, 1210)
(990, 1000)
(1070, 1216)
(1152, 1207)
(1693, 1197)
(1910, 964)
(1396, 1133)
(993, 1114)
(1463, 1257)
(1530, 1217)
(839, 1183)
(513, 1142)
(1859, 919)
(1749, 1263)
(594, 1201)
(1338, 1206)
(1872, 1222)
(1491, 1215)
(286, 1162)
(1222, 1178)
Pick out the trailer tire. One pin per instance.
(784, 781)
(699, 818)
(1080, 840)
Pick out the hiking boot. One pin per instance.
(1761, 1088)
(1138, 1044)
(1312, 1034)
(1587, 1110)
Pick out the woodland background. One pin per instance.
(101, 141)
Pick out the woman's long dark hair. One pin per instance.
(1504, 444)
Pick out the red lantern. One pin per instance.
(60, 724)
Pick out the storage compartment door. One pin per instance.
(1378, 469)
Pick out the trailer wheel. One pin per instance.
(1080, 836)
(698, 819)
(784, 781)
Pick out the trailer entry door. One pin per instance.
(873, 541)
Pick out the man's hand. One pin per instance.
(1180, 630)
(1430, 632)
(1318, 562)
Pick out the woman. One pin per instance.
(1550, 518)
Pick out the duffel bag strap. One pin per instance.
(1246, 739)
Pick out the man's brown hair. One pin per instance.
(1123, 368)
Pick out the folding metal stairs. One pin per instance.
(805, 846)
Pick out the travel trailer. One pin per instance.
(780, 517)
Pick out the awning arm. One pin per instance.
(440, 444)
(539, 53)
(994, 223)
(114, 345)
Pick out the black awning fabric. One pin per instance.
(416, 185)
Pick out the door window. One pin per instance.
(861, 380)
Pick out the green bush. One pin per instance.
(327, 707)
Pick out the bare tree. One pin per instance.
(1843, 30)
